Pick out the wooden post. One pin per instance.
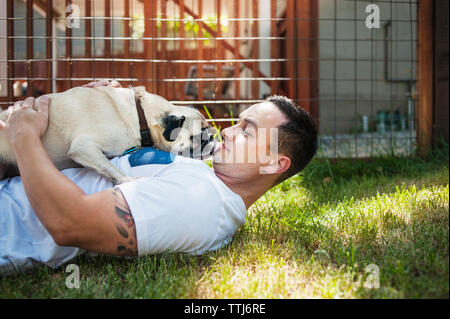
(255, 51)
(182, 51)
(163, 67)
(200, 54)
(68, 64)
(237, 65)
(314, 65)
(30, 44)
(88, 34)
(48, 44)
(306, 88)
(154, 45)
(290, 35)
(425, 75)
(218, 89)
(10, 34)
(127, 34)
(150, 43)
(87, 29)
(274, 71)
(108, 35)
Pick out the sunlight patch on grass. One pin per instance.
(381, 229)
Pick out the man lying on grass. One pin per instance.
(179, 205)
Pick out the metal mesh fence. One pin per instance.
(351, 64)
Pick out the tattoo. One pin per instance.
(125, 220)
(123, 212)
(125, 251)
(122, 231)
(126, 216)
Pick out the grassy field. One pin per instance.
(314, 236)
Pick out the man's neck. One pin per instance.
(250, 191)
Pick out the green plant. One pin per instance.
(231, 114)
(217, 128)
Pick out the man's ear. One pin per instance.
(278, 165)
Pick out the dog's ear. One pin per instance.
(172, 123)
(140, 89)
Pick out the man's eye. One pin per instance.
(246, 130)
(244, 127)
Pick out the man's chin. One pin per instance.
(218, 158)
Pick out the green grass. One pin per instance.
(217, 128)
(311, 237)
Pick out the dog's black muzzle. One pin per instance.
(207, 144)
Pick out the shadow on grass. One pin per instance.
(337, 179)
(156, 276)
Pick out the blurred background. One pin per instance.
(357, 75)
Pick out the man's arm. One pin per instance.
(100, 222)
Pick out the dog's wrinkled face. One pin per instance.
(188, 133)
(180, 130)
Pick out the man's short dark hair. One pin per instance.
(297, 138)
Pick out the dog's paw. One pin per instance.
(126, 179)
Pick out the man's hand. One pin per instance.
(23, 121)
(113, 84)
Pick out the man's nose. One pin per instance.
(228, 133)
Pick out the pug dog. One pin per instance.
(89, 125)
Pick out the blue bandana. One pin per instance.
(150, 155)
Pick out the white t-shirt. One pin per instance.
(180, 207)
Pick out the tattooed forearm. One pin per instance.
(125, 216)
(122, 231)
(122, 211)
(125, 226)
(125, 251)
